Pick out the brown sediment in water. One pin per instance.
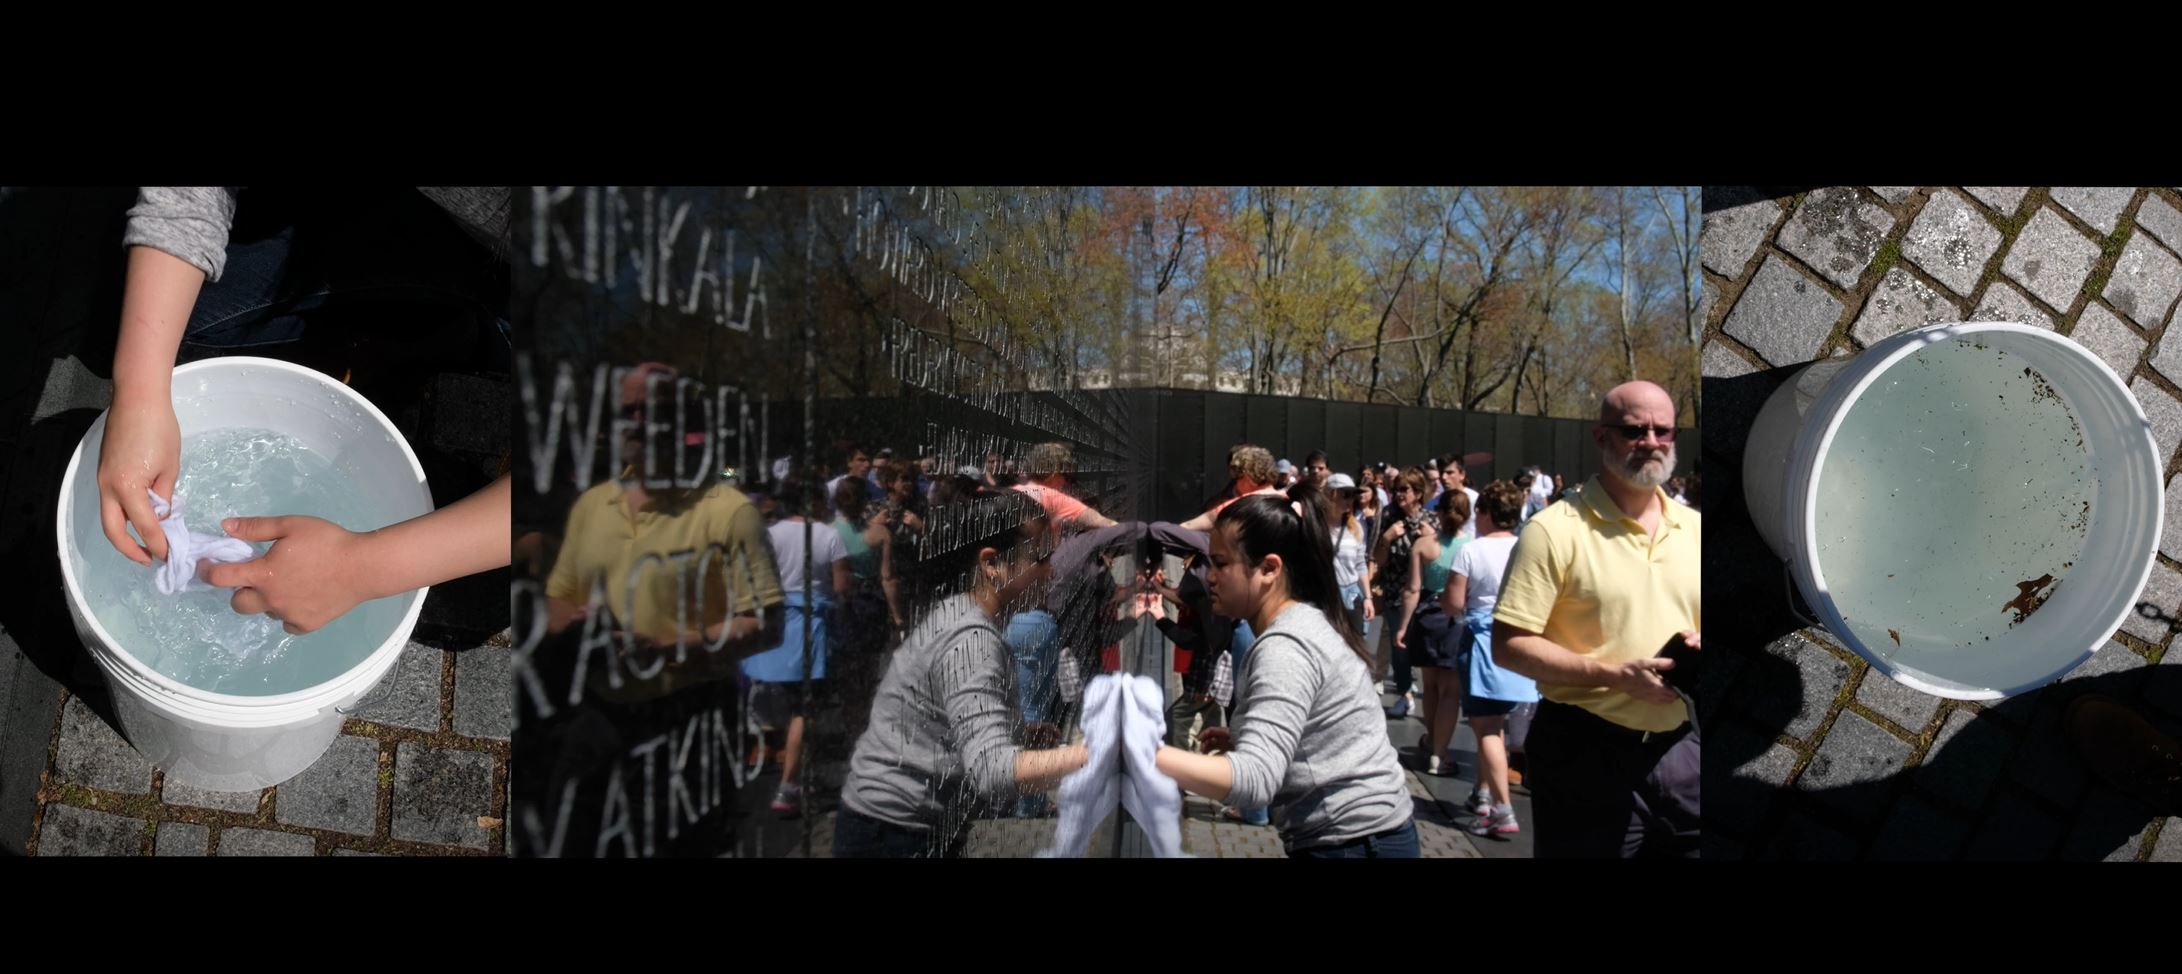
(2031, 595)
(2043, 390)
(1897, 636)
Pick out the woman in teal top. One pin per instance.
(1428, 636)
(861, 629)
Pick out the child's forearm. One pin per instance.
(1209, 775)
(155, 307)
(464, 538)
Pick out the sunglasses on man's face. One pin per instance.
(1665, 434)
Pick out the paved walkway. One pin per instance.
(1809, 754)
(422, 770)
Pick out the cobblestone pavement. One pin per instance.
(422, 769)
(1809, 754)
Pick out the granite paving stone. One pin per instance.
(2051, 260)
(1836, 232)
(1732, 235)
(1782, 315)
(1951, 241)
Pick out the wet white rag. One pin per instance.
(1124, 722)
(185, 548)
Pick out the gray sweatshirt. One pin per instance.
(192, 222)
(941, 723)
(1310, 738)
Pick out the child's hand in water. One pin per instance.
(142, 450)
(315, 573)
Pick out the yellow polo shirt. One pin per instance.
(1586, 576)
(718, 534)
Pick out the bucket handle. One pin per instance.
(385, 684)
(1795, 598)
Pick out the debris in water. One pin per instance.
(2030, 596)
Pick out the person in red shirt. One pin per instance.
(1051, 466)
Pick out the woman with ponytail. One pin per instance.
(1308, 737)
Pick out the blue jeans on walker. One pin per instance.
(1034, 639)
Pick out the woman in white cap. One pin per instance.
(1351, 554)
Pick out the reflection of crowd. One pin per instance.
(948, 622)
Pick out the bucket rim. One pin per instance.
(140, 676)
(1815, 440)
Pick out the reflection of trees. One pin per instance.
(1528, 300)
(1531, 299)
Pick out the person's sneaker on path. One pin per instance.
(1400, 708)
(2126, 751)
(1480, 803)
(788, 798)
(1500, 822)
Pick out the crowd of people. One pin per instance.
(955, 617)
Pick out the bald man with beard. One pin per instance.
(1597, 585)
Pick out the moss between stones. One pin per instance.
(2109, 255)
(134, 806)
(1890, 253)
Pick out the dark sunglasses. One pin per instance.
(1635, 433)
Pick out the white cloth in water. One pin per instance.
(1124, 722)
(1152, 798)
(185, 548)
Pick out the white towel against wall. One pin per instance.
(1090, 793)
(185, 548)
(1124, 722)
(1152, 798)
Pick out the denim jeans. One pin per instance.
(1399, 843)
(390, 262)
(1034, 639)
(1404, 678)
(857, 836)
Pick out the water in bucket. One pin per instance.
(195, 637)
(1952, 503)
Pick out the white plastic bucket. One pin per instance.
(227, 742)
(1796, 429)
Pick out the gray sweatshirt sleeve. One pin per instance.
(190, 222)
(972, 682)
(1279, 685)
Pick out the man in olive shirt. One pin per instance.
(1597, 585)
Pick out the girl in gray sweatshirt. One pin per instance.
(1308, 737)
(943, 719)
